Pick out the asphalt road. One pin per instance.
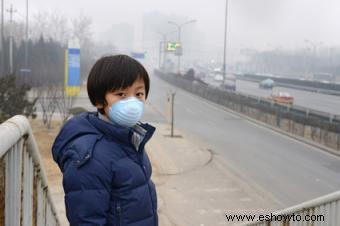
(286, 170)
(312, 100)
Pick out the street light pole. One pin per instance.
(160, 55)
(11, 11)
(181, 50)
(179, 28)
(225, 41)
(162, 48)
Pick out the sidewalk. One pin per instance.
(195, 185)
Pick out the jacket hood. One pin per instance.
(81, 133)
(76, 127)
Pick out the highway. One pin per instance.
(287, 170)
(312, 100)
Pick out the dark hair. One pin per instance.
(111, 73)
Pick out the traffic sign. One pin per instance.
(172, 46)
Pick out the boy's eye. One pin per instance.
(120, 94)
(140, 94)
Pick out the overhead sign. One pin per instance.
(172, 46)
(72, 70)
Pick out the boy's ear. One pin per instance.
(99, 106)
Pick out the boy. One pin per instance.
(106, 171)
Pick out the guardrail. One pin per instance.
(294, 108)
(310, 85)
(321, 211)
(26, 199)
(318, 128)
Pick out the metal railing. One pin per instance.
(24, 197)
(322, 211)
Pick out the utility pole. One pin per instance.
(2, 63)
(26, 37)
(11, 11)
(180, 50)
(225, 41)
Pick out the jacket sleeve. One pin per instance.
(87, 197)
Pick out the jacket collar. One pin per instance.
(116, 132)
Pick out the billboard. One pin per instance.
(72, 70)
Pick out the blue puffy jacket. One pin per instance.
(106, 173)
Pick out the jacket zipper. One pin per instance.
(139, 153)
(118, 211)
(150, 194)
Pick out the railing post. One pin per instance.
(28, 190)
(2, 189)
(13, 185)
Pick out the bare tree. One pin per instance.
(64, 103)
(17, 29)
(52, 26)
(48, 101)
(59, 29)
(81, 29)
(53, 99)
(39, 25)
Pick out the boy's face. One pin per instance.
(137, 89)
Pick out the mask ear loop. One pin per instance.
(101, 110)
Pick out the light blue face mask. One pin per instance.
(126, 112)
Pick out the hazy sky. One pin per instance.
(265, 24)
